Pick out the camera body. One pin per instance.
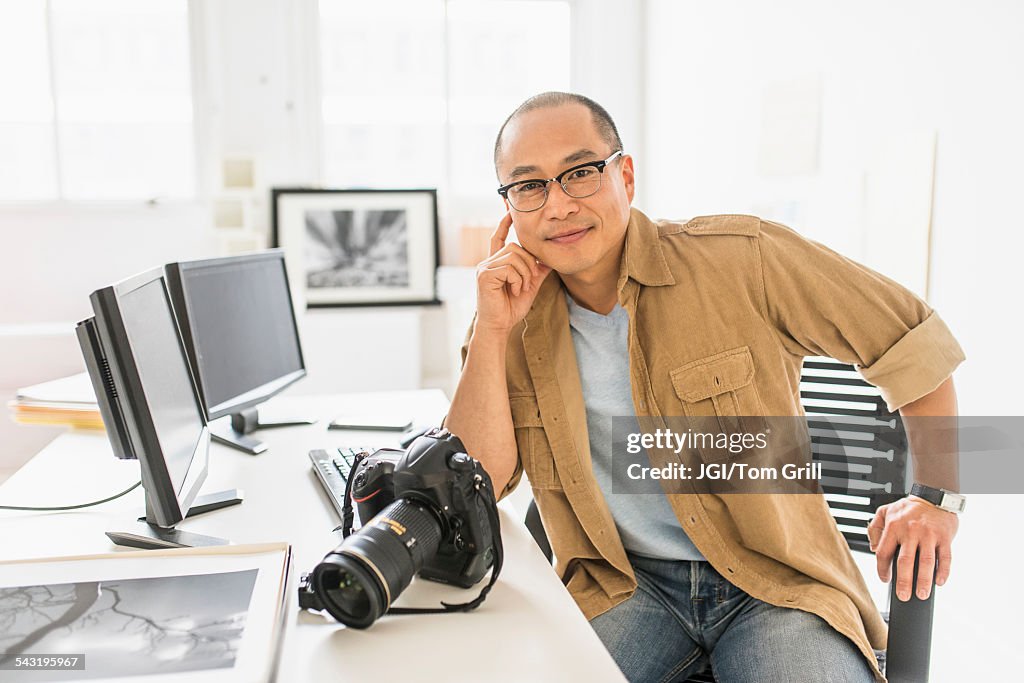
(437, 473)
(427, 511)
(373, 488)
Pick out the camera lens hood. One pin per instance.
(350, 589)
(358, 581)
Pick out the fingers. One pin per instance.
(509, 276)
(511, 268)
(525, 262)
(925, 568)
(884, 554)
(885, 548)
(500, 234)
(527, 258)
(945, 562)
(876, 531)
(513, 248)
(875, 528)
(905, 570)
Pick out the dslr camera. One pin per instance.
(431, 512)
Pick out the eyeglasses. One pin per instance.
(578, 181)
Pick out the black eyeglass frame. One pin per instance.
(599, 165)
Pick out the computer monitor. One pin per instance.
(148, 400)
(239, 328)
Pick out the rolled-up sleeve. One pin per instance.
(823, 304)
(915, 365)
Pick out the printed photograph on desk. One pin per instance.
(359, 247)
(131, 626)
(187, 614)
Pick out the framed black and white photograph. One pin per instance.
(191, 615)
(143, 626)
(359, 247)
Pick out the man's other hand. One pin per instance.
(507, 281)
(916, 526)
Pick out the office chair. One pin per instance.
(863, 450)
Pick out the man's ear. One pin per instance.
(628, 176)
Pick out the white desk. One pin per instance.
(529, 629)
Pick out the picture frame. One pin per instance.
(359, 247)
(124, 611)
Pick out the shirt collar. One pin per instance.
(642, 258)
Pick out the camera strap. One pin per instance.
(347, 514)
(499, 557)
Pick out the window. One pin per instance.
(413, 91)
(382, 74)
(97, 100)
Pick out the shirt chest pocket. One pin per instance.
(532, 443)
(720, 386)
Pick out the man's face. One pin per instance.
(573, 236)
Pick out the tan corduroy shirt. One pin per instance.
(745, 300)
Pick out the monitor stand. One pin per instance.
(246, 422)
(149, 536)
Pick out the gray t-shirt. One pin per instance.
(646, 522)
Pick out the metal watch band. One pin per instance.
(947, 500)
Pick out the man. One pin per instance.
(600, 312)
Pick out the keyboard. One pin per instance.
(332, 467)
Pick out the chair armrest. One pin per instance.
(536, 528)
(908, 654)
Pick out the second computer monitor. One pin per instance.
(150, 408)
(239, 327)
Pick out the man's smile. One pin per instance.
(569, 236)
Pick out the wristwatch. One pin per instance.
(947, 500)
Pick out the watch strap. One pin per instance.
(941, 498)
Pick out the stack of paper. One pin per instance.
(65, 401)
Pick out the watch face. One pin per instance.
(947, 500)
(953, 502)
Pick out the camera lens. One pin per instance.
(346, 591)
(359, 580)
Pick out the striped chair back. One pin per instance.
(861, 445)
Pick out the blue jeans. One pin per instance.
(685, 614)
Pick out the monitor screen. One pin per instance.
(238, 319)
(163, 372)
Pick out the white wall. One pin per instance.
(888, 72)
(59, 253)
(609, 66)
